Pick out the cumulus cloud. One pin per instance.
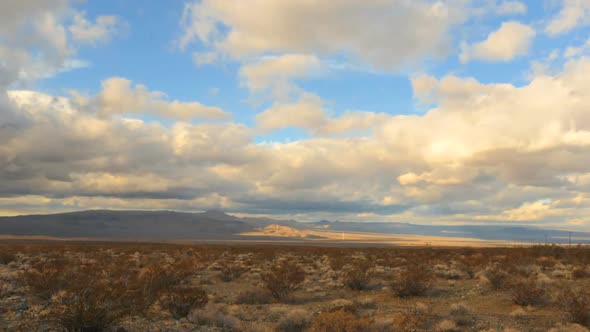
(574, 51)
(120, 96)
(487, 152)
(274, 72)
(510, 41)
(573, 13)
(385, 34)
(39, 39)
(308, 113)
(100, 31)
(449, 162)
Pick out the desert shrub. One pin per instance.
(254, 296)
(338, 261)
(580, 272)
(46, 278)
(415, 280)
(449, 273)
(365, 303)
(91, 308)
(155, 279)
(357, 277)
(282, 278)
(527, 292)
(7, 256)
(447, 326)
(181, 300)
(461, 314)
(410, 319)
(568, 328)
(213, 316)
(230, 271)
(497, 277)
(295, 321)
(471, 263)
(339, 321)
(575, 305)
(546, 263)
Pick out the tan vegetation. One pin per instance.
(134, 287)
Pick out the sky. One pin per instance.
(421, 111)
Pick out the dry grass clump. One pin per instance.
(282, 278)
(470, 264)
(295, 321)
(462, 315)
(230, 271)
(340, 321)
(91, 302)
(497, 276)
(447, 326)
(580, 272)
(253, 296)
(7, 256)
(46, 277)
(152, 281)
(214, 317)
(575, 305)
(180, 300)
(357, 277)
(410, 319)
(338, 261)
(568, 328)
(527, 292)
(546, 263)
(415, 280)
(89, 310)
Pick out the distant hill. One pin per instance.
(217, 225)
(162, 225)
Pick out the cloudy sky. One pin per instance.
(424, 111)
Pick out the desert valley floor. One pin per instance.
(56, 286)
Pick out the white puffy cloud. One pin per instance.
(120, 96)
(573, 13)
(574, 51)
(486, 152)
(35, 41)
(100, 31)
(277, 71)
(450, 162)
(510, 41)
(308, 113)
(382, 33)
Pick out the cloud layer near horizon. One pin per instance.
(482, 152)
(477, 156)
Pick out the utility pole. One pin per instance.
(545, 239)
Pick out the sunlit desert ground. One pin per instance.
(62, 286)
(320, 236)
(287, 235)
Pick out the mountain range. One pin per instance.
(217, 225)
